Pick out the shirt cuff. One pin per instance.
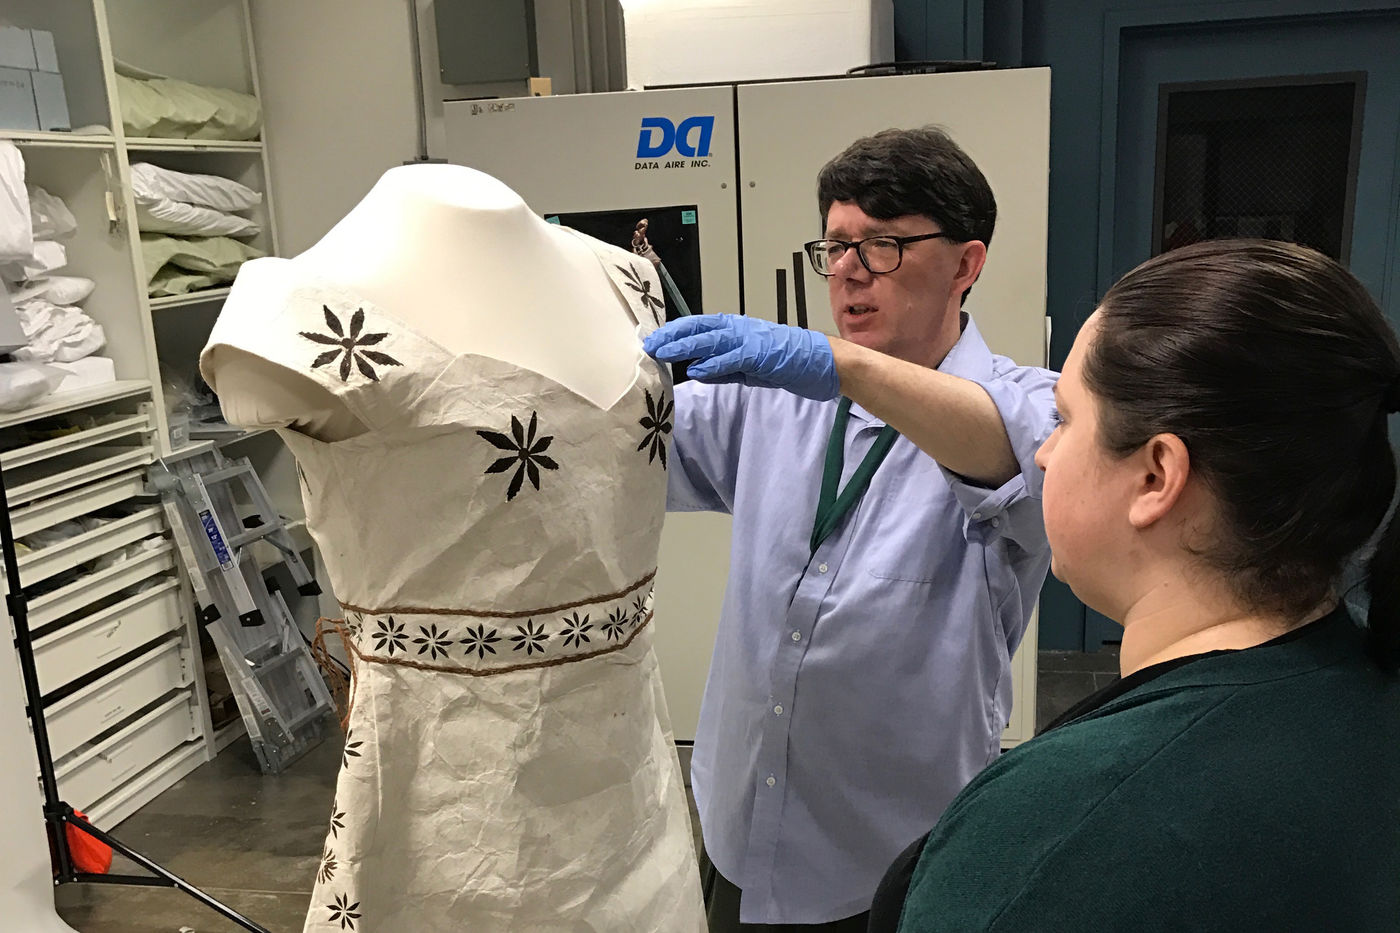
(1028, 423)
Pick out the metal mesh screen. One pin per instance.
(1269, 162)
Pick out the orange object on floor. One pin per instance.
(90, 855)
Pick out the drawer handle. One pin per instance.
(108, 633)
(111, 760)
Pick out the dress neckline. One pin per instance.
(313, 282)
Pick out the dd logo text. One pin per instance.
(689, 138)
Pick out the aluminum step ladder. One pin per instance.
(218, 511)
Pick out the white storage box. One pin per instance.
(699, 41)
(17, 48)
(45, 55)
(50, 100)
(85, 373)
(17, 100)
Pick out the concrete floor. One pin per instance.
(254, 842)
(250, 841)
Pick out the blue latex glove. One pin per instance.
(734, 348)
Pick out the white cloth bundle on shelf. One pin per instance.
(63, 531)
(162, 215)
(47, 256)
(213, 191)
(187, 204)
(16, 232)
(56, 333)
(24, 383)
(49, 216)
(60, 289)
(85, 373)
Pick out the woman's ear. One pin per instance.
(1163, 465)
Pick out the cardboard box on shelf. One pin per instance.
(17, 48)
(17, 108)
(50, 101)
(45, 54)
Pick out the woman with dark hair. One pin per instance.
(1223, 454)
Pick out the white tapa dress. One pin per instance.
(493, 539)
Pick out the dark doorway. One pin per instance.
(1271, 158)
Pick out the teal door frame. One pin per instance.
(1117, 21)
(1121, 23)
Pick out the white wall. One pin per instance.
(339, 104)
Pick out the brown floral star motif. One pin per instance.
(343, 912)
(350, 348)
(658, 425)
(432, 641)
(481, 641)
(532, 637)
(617, 620)
(643, 288)
(526, 453)
(575, 630)
(328, 867)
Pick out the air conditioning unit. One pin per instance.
(706, 41)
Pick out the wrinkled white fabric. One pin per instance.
(50, 217)
(492, 536)
(57, 334)
(46, 256)
(16, 234)
(162, 215)
(213, 191)
(24, 383)
(59, 289)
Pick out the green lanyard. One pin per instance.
(831, 508)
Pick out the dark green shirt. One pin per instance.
(1254, 790)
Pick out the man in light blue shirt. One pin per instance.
(879, 582)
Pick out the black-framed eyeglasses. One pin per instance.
(879, 254)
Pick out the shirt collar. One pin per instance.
(969, 359)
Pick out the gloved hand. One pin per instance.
(734, 348)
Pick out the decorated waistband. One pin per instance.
(481, 642)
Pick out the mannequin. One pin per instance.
(442, 248)
(481, 450)
(26, 872)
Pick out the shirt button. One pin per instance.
(778, 710)
(796, 636)
(996, 523)
(821, 568)
(977, 516)
(771, 780)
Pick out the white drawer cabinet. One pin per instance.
(51, 477)
(69, 505)
(115, 646)
(115, 698)
(37, 566)
(105, 768)
(127, 429)
(77, 650)
(92, 587)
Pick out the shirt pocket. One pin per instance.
(914, 528)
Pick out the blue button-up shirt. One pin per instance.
(854, 691)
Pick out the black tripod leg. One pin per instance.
(57, 814)
(163, 878)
